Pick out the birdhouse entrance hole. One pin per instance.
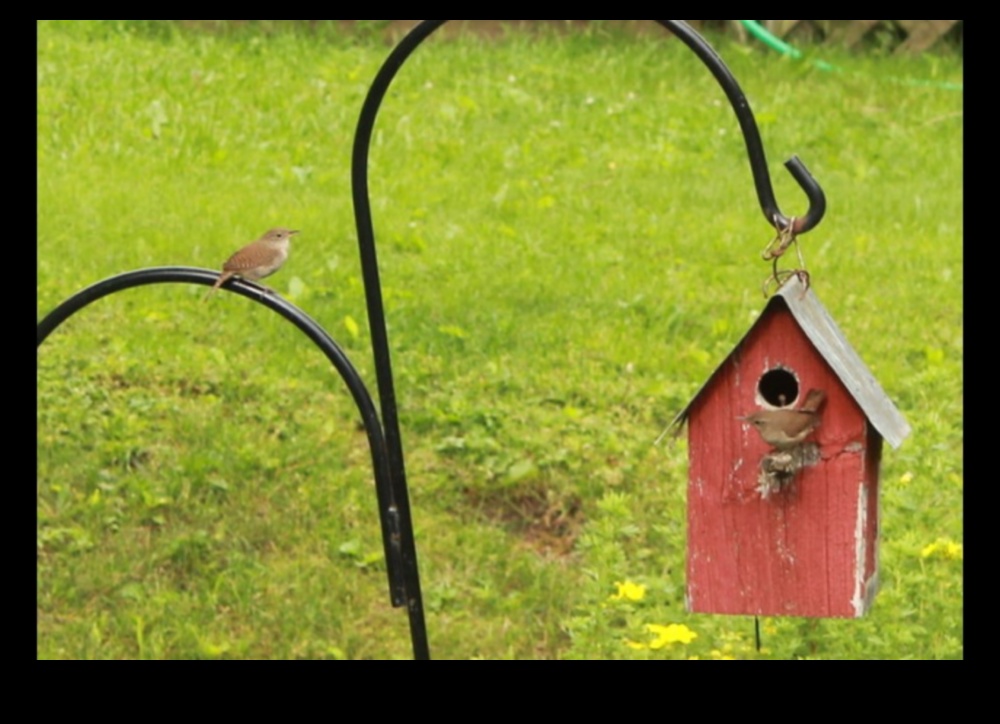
(778, 387)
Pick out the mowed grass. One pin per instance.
(569, 243)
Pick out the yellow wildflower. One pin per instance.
(630, 591)
(945, 547)
(670, 634)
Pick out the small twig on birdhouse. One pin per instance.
(676, 425)
(778, 468)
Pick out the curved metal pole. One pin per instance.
(366, 232)
(755, 149)
(397, 532)
(369, 260)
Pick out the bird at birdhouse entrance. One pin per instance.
(785, 428)
(786, 431)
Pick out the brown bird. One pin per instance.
(784, 429)
(257, 260)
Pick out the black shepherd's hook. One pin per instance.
(755, 149)
(366, 232)
(397, 528)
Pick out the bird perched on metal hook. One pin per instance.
(259, 259)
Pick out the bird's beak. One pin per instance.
(294, 231)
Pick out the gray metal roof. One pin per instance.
(823, 332)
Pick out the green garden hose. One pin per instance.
(763, 35)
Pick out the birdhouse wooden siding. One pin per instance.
(809, 548)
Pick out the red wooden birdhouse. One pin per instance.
(788, 527)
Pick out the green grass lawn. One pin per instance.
(569, 243)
